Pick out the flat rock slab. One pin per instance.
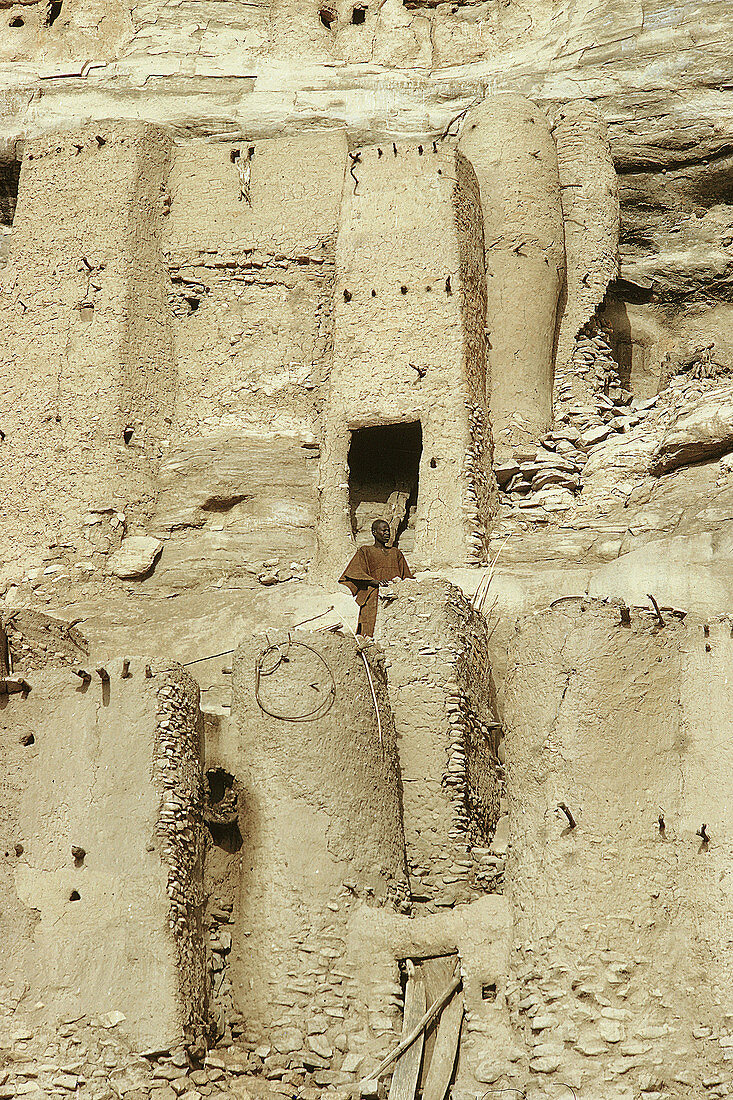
(135, 558)
(263, 481)
(703, 432)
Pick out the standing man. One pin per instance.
(370, 568)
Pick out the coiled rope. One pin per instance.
(279, 653)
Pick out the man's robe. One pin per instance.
(369, 566)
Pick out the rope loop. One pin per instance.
(270, 660)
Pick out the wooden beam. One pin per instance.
(419, 1027)
(407, 1070)
(445, 1050)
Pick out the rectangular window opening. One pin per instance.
(384, 464)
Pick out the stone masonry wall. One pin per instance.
(180, 833)
(440, 688)
(480, 492)
(589, 189)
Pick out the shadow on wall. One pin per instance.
(221, 812)
(635, 339)
(9, 177)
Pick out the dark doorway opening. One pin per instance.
(9, 177)
(221, 809)
(384, 464)
(615, 314)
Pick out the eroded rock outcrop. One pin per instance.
(703, 432)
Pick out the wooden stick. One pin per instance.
(657, 612)
(374, 698)
(430, 1015)
(407, 1071)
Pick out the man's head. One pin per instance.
(381, 532)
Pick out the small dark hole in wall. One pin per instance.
(220, 784)
(488, 991)
(358, 16)
(54, 11)
(235, 155)
(327, 16)
(403, 289)
(17, 22)
(347, 295)
(9, 179)
(74, 896)
(100, 141)
(403, 974)
(128, 433)
(27, 739)
(193, 303)
(433, 463)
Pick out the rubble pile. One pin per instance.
(542, 480)
(89, 1059)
